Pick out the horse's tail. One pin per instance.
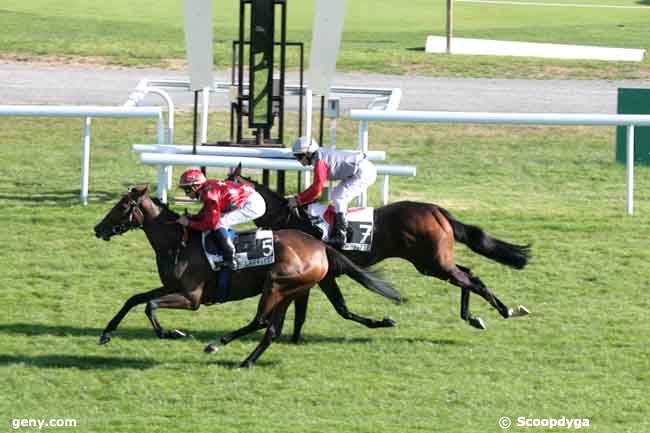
(477, 240)
(339, 265)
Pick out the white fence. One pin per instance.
(170, 159)
(86, 112)
(627, 120)
(165, 172)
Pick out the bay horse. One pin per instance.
(188, 281)
(423, 234)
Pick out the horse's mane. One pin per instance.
(165, 211)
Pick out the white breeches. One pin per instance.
(353, 186)
(252, 209)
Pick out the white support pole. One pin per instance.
(162, 182)
(161, 128)
(384, 190)
(85, 162)
(306, 175)
(205, 105)
(164, 171)
(332, 131)
(363, 147)
(630, 169)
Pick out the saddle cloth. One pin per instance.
(252, 248)
(360, 225)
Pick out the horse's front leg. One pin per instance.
(134, 300)
(172, 300)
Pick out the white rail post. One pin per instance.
(164, 172)
(205, 106)
(630, 169)
(384, 189)
(306, 175)
(363, 147)
(85, 161)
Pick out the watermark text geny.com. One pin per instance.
(563, 422)
(40, 423)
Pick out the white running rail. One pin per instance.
(627, 120)
(86, 112)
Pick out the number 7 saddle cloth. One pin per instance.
(360, 225)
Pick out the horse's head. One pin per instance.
(127, 214)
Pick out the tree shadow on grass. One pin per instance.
(644, 2)
(80, 362)
(433, 341)
(57, 198)
(37, 329)
(235, 365)
(205, 336)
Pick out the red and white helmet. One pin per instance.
(191, 177)
(304, 145)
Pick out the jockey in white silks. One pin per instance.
(353, 169)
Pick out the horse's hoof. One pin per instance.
(518, 312)
(175, 334)
(477, 323)
(211, 348)
(388, 322)
(104, 338)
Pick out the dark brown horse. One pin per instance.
(188, 281)
(421, 233)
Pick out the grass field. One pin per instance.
(379, 36)
(582, 353)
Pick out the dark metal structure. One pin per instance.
(258, 79)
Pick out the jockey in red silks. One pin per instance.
(224, 204)
(353, 169)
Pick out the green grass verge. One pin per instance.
(379, 37)
(582, 353)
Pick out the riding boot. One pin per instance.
(340, 232)
(227, 248)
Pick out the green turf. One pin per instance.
(582, 353)
(378, 37)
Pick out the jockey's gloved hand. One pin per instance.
(183, 220)
(292, 204)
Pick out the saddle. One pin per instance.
(360, 225)
(252, 248)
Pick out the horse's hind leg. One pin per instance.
(271, 333)
(268, 301)
(253, 326)
(493, 300)
(463, 277)
(300, 315)
(333, 293)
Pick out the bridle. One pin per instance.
(135, 221)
